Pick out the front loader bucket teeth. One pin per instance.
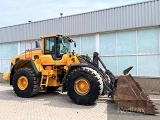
(128, 95)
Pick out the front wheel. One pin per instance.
(84, 86)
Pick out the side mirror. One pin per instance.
(37, 45)
(74, 44)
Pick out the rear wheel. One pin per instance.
(25, 83)
(84, 86)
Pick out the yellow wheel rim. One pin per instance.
(22, 83)
(82, 86)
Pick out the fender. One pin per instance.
(74, 66)
(23, 63)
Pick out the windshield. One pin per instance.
(64, 44)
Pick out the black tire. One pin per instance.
(109, 74)
(112, 77)
(33, 83)
(111, 80)
(93, 78)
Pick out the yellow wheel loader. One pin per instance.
(54, 65)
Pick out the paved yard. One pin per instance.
(58, 106)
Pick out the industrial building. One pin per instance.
(124, 36)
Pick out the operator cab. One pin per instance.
(57, 46)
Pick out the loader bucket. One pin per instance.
(128, 95)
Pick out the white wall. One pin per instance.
(139, 48)
(119, 49)
(10, 50)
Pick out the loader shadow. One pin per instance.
(8, 95)
(58, 99)
(55, 99)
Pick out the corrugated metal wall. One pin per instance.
(138, 47)
(123, 17)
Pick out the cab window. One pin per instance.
(49, 45)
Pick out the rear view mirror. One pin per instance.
(37, 44)
(74, 44)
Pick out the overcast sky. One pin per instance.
(20, 11)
